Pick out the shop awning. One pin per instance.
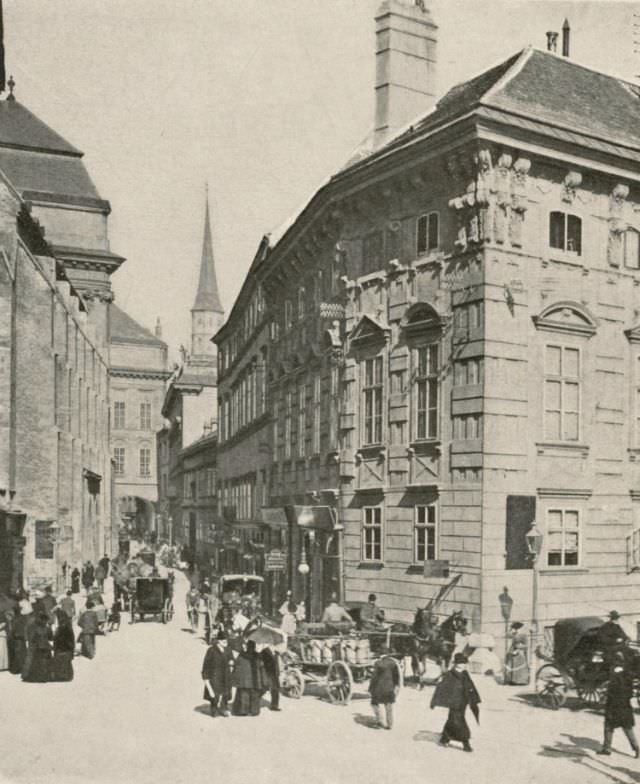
(316, 518)
(274, 516)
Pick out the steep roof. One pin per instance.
(124, 329)
(39, 162)
(207, 297)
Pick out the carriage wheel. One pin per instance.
(339, 683)
(551, 687)
(167, 611)
(593, 694)
(292, 683)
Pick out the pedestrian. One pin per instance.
(384, 687)
(371, 616)
(216, 674)
(75, 580)
(5, 625)
(289, 621)
(192, 599)
(68, 605)
(271, 664)
(88, 623)
(284, 606)
(100, 576)
(455, 691)
(63, 648)
(88, 575)
(618, 711)
(114, 617)
(46, 603)
(19, 634)
(250, 681)
(516, 663)
(335, 613)
(38, 669)
(611, 637)
(104, 563)
(239, 621)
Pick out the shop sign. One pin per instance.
(275, 561)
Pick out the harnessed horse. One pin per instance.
(434, 641)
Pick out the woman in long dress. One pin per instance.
(289, 621)
(63, 649)
(39, 669)
(19, 635)
(250, 681)
(516, 663)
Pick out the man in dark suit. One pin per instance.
(216, 673)
(455, 691)
(272, 669)
(611, 637)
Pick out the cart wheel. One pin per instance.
(167, 611)
(593, 694)
(292, 683)
(551, 687)
(400, 668)
(339, 683)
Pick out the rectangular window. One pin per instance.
(302, 419)
(372, 392)
(427, 233)
(563, 537)
(288, 315)
(316, 415)
(372, 247)
(425, 532)
(118, 458)
(333, 407)
(301, 297)
(565, 232)
(145, 461)
(118, 415)
(631, 249)
(562, 393)
(43, 539)
(426, 392)
(287, 425)
(145, 416)
(276, 413)
(372, 534)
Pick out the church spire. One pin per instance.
(207, 297)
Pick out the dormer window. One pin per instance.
(565, 232)
(427, 233)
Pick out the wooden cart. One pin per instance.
(152, 596)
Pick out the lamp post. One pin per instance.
(303, 569)
(506, 605)
(534, 539)
(54, 538)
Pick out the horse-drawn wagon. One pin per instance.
(152, 596)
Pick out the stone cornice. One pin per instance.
(88, 259)
(124, 372)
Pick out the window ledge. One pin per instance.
(562, 447)
(563, 570)
(565, 257)
(375, 565)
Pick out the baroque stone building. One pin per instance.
(138, 374)
(453, 346)
(189, 412)
(55, 461)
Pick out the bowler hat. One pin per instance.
(460, 658)
(372, 597)
(517, 625)
(614, 615)
(222, 635)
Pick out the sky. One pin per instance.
(262, 99)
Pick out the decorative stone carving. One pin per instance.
(502, 191)
(571, 183)
(617, 225)
(519, 199)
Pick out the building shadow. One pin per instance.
(578, 750)
(531, 700)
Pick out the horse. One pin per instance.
(433, 640)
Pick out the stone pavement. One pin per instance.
(136, 714)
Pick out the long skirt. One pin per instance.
(62, 666)
(39, 670)
(246, 702)
(517, 668)
(17, 654)
(88, 645)
(456, 727)
(4, 651)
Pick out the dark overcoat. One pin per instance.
(271, 667)
(455, 691)
(216, 668)
(384, 680)
(249, 672)
(618, 711)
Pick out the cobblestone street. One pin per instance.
(135, 713)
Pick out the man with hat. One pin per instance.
(335, 613)
(216, 674)
(611, 637)
(371, 616)
(455, 691)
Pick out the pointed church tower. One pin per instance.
(207, 314)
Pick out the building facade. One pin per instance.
(452, 353)
(55, 460)
(138, 373)
(189, 412)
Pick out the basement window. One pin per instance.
(565, 232)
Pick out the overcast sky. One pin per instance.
(262, 98)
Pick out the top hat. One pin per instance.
(614, 615)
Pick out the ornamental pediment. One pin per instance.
(369, 329)
(569, 317)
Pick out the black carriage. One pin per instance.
(152, 596)
(579, 662)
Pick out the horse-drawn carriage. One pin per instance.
(152, 596)
(579, 662)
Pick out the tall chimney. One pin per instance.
(406, 38)
(158, 329)
(566, 31)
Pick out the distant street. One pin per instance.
(135, 714)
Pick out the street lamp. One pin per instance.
(534, 539)
(54, 537)
(303, 569)
(506, 605)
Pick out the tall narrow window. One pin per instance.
(118, 459)
(145, 416)
(316, 415)
(301, 297)
(372, 390)
(145, 461)
(565, 232)
(288, 315)
(372, 250)
(425, 531)
(426, 392)
(563, 537)
(275, 424)
(427, 233)
(372, 534)
(562, 393)
(302, 419)
(118, 415)
(287, 425)
(333, 407)
(631, 249)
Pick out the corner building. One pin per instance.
(454, 352)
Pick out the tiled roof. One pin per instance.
(125, 330)
(21, 128)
